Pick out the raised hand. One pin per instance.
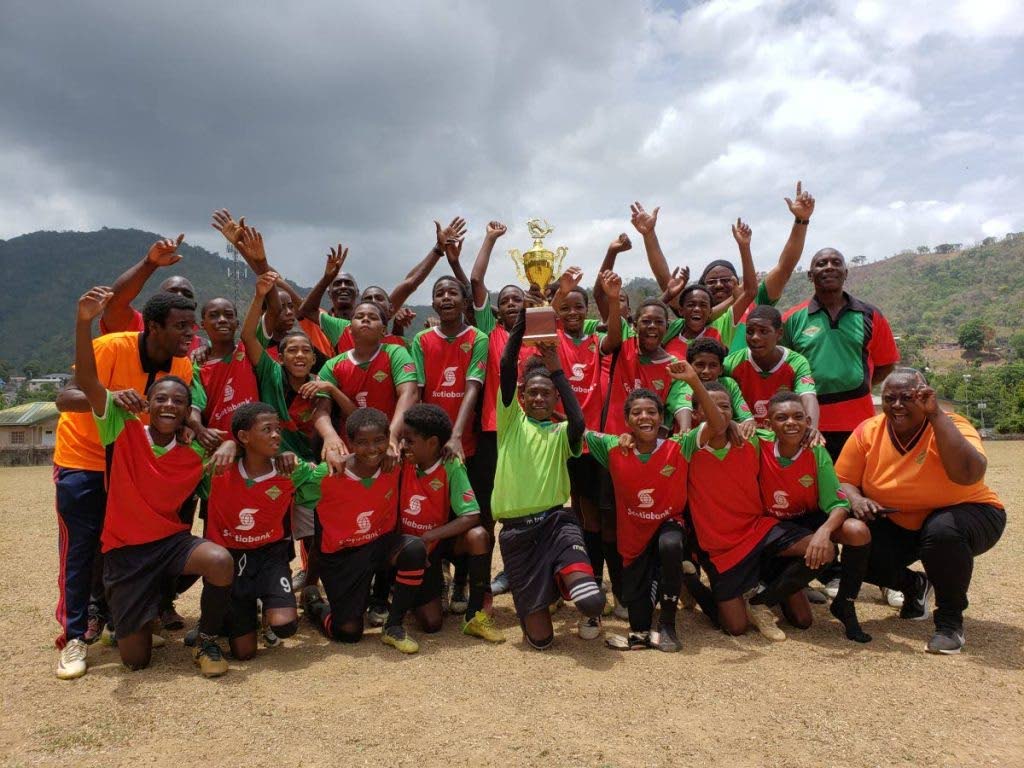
(642, 221)
(742, 232)
(803, 206)
(91, 305)
(620, 244)
(251, 244)
(611, 283)
(335, 261)
(681, 370)
(549, 354)
(495, 229)
(162, 252)
(454, 231)
(569, 280)
(265, 283)
(453, 249)
(227, 226)
(925, 397)
(676, 282)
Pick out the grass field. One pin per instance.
(814, 700)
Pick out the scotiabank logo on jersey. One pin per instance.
(579, 374)
(642, 508)
(447, 389)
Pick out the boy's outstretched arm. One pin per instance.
(801, 208)
(617, 246)
(90, 306)
(265, 283)
(509, 367)
(310, 306)
(118, 311)
(573, 411)
(495, 229)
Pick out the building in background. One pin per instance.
(27, 434)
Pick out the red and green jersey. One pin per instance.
(338, 332)
(249, 512)
(371, 383)
(219, 387)
(295, 412)
(650, 488)
(146, 483)
(581, 362)
(354, 510)
(631, 370)
(843, 355)
(758, 386)
(805, 483)
(740, 410)
(496, 342)
(725, 499)
(429, 498)
(445, 366)
(676, 344)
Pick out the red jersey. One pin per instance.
(145, 488)
(725, 499)
(581, 362)
(678, 344)
(496, 341)
(226, 384)
(788, 491)
(633, 371)
(429, 498)
(354, 511)
(373, 383)
(248, 513)
(758, 386)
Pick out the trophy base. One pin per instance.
(541, 326)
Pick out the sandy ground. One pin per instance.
(813, 700)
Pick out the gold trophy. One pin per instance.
(537, 268)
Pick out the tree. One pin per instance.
(32, 369)
(859, 259)
(974, 335)
(923, 249)
(988, 241)
(45, 394)
(1017, 346)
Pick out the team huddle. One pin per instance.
(702, 448)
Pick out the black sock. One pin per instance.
(595, 553)
(213, 607)
(794, 577)
(461, 575)
(613, 560)
(854, 564)
(409, 567)
(381, 588)
(479, 583)
(669, 606)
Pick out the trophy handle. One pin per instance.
(560, 254)
(517, 260)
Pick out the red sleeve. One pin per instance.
(135, 325)
(882, 348)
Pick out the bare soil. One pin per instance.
(813, 700)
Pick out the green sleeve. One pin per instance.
(112, 422)
(762, 296)
(725, 324)
(261, 335)
(675, 327)
(803, 380)
(690, 442)
(268, 373)
(327, 373)
(483, 318)
(679, 397)
(590, 325)
(628, 331)
(416, 351)
(600, 445)
(333, 327)
(733, 360)
(478, 360)
(829, 496)
(403, 369)
(460, 492)
(198, 390)
(307, 492)
(740, 409)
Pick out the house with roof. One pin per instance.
(28, 427)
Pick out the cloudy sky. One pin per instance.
(363, 122)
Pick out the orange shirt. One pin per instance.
(121, 363)
(915, 483)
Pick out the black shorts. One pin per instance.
(346, 574)
(536, 551)
(809, 521)
(260, 574)
(585, 477)
(480, 468)
(639, 575)
(433, 576)
(606, 493)
(746, 574)
(136, 576)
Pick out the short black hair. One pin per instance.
(713, 386)
(511, 286)
(533, 367)
(369, 303)
(174, 380)
(206, 306)
(245, 416)
(428, 420)
(705, 345)
(653, 303)
(693, 288)
(160, 305)
(768, 313)
(463, 288)
(582, 292)
(640, 393)
(785, 396)
(363, 418)
(293, 333)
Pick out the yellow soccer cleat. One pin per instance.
(482, 626)
(763, 619)
(209, 657)
(399, 639)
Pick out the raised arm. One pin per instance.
(481, 297)
(964, 464)
(645, 223)
(573, 412)
(509, 367)
(310, 306)
(90, 306)
(264, 284)
(742, 234)
(619, 245)
(801, 208)
(118, 311)
(612, 285)
(455, 230)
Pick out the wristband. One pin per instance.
(804, 222)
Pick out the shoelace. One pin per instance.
(211, 651)
(74, 652)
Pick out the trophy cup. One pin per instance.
(537, 268)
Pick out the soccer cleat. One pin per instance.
(191, 638)
(459, 602)
(94, 625)
(159, 641)
(270, 639)
(499, 586)
(763, 620)
(946, 641)
(668, 640)
(299, 581)
(815, 596)
(209, 657)
(634, 641)
(71, 662)
(590, 628)
(917, 605)
(171, 619)
(399, 639)
(482, 626)
(377, 614)
(311, 597)
(831, 589)
(892, 596)
(621, 611)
